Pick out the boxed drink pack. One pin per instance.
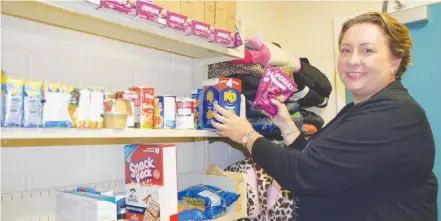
(223, 91)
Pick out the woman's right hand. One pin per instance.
(282, 119)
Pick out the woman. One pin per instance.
(374, 160)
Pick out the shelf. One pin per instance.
(88, 18)
(13, 137)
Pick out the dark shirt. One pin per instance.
(372, 162)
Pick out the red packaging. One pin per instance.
(146, 106)
(144, 164)
(275, 84)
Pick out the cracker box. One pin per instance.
(124, 6)
(152, 12)
(224, 37)
(223, 91)
(179, 22)
(144, 164)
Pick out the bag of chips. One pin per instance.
(275, 84)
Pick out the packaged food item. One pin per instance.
(196, 96)
(178, 22)
(165, 112)
(134, 119)
(124, 6)
(146, 106)
(192, 214)
(82, 111)
(184, 113)
(73, 105)
(223, 91)
(144, 164)
(12, 101)
(142, 203)
(57, 98)
(95, 116)
(32, 105)
(115, 120)
(152, 12)
(204, 199)
(275, 84)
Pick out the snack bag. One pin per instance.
(32, 105)
(275, 84)
(12, 102)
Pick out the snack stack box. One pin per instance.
(226, 92)
(150, 182)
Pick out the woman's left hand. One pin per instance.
(231, 125)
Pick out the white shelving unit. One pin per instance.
(89, 18)
(84, 17)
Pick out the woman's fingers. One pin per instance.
(276, 102)
(220, 118)
(218, 125)
(224, 112)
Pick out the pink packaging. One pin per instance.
(179, 22)
(275, 84)
(151, 12)
(224, 37)
(202, 30)
(124, 6)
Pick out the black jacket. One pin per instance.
(372, 162)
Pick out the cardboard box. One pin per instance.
(173, 6)
(231, 16)
(193, 9)
(220, 15)
(209, 10)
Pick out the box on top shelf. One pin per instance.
(151, 12)
(150, 181)
(124, 6)
(226, 92)
(209, 11)
(231, 16)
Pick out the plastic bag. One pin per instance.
(228, 197)
(275, 84)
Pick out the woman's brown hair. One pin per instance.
(400, 43)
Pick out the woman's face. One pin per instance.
(365, 63)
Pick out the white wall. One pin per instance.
(311, 31)
(40, 52)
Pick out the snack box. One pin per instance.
(223, 91)
(124, 6)
(144, 164)
(223, 37)
(146, 106)
(202, 30)
(151, 12)
(179, 22)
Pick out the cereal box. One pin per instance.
(144, 164)
(165, 112)
(223, 91)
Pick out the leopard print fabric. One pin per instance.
(284, 206)
(225, 69)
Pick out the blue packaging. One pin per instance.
(12, 102)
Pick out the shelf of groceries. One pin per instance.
(204, 30)
(42, 110)
(154, 191)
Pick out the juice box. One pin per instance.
(165, 112)
(147, 98)
(226, 92)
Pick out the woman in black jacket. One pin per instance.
(374, 160)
